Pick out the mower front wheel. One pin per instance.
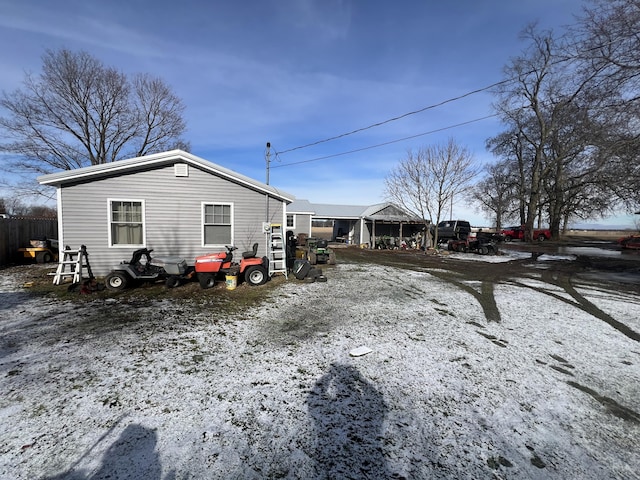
(255, 275)
(116, 281)
(206, 280)
(44, 257)
(172, 281)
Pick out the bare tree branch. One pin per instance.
(427, 180)
(78, 112)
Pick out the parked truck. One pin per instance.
(451, 230)
(517, 233)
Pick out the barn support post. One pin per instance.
(374, 234)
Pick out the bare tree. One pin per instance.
(608, 54)
(13, 206)
(554, 116)
(510, 174)
(610, 42)
(428, 180)
(524, 106)
(496, 193)
(42, 211)
(78, 112)
(409, 184)
(16, 207)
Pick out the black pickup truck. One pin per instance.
(451, 230)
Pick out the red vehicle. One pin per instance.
(631, 242)
(517, 233)
(254, 270)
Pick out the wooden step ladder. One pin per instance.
(71, 264)
(277, 252)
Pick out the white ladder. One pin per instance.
(277, 250)
(75, 265)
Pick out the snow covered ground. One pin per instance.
(164, 390)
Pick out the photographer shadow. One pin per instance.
(133, 455)
(348, 416)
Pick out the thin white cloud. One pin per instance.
(324, 19)
(88, 28)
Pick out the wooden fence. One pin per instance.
(16, 232)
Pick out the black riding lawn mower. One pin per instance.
(143, 268)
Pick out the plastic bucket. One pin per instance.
(231, 281)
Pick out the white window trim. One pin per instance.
(144, 225)
(292, 227)
(202, 224)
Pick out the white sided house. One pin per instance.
(174, 202)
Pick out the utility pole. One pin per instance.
(267, 157)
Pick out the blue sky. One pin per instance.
(293, 72)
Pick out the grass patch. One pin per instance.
(218, 300)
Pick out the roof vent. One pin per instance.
(181, 170)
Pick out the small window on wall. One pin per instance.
(126, 222)
(217, 224)
(291, 221)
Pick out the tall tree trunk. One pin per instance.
(534, 196)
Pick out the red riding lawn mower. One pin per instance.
(254, 270)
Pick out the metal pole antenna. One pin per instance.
(267, 155)
(267, 158)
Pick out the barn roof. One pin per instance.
(382, 211)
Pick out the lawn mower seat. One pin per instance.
(136, 257)
(251, 253)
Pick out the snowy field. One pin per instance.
(173, 392)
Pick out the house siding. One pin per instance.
(302, 224)
(172, 215)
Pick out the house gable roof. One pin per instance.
(96, 172)
(338, 211)
(301, 207)
(390, 212)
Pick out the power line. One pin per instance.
(385, 143)
(444, 102)
(435, 105)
